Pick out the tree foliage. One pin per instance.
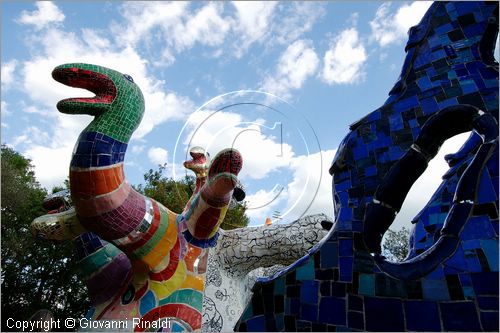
(174, 194)
(40, 274)
(395, 245)
(36, 274)
(235, 217)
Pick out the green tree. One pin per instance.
(235, 217)
(174, 194)
(395, 245)
(36, 274)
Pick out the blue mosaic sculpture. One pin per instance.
(448, 85)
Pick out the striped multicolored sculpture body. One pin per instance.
(139, 259)
(449, 282)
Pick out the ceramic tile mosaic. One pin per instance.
(153, 262)
(449, 282)
(242, 255)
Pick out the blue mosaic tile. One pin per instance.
(309, 312)
(490, 248)
(468, 292)
(279, 286)
(489, 321)
(331, 310)
(454, 287)
(460, 316)
(280, 323)
(473, 264)
(489, 303)
(345, 269)
(338, 289)
(355, 303)
(93, 151)
(485, 283)
(256, 324)
(450, 281)
(309, 291)
(306, 272)
(147, 302)
(329, 257)
(478, 227)
(435, 289)
(290, 324)
(422, 316)
(356, 320)
(325, 288)
(377, 308)
(345, 247)
(248, 313)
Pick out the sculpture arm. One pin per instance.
(244, 249)
(207, 209)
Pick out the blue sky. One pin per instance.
(289, 78)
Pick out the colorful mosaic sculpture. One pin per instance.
(448, 85)
(243, 255)
(240, 257)
(140, 260)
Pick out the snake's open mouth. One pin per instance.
(200, 160)
(101, 85)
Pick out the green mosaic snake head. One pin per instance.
(118, 103)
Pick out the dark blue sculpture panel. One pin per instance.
(449, 282)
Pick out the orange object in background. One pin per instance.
(268, 221)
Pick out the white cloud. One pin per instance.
(137, 149)
(38, 83)
(173, 25)
(36, 77)
(383, 30)
(343, 62)
(142, 17)
(220, 130)
(496, 54)
(51, 163)
(157, 155)
(269, 23)
(296, 18)
(310, 174)
(206, 26)
(51, 150)
(390, 28)
(46, 14)
(32, 134)
(262, 204)
(161, 108)
(253, 19)
(95, 39)
(296, 64)
(165, 59)
(427, 184)
(310, 192)
(5, 109)
(37, 110)
(51, 159)
(353, 19)
(178, 27)
(7, 73)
